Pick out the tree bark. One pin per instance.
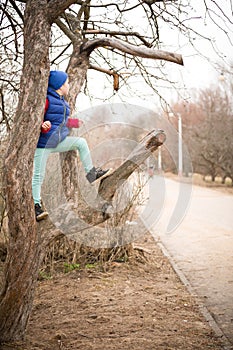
(23, 256)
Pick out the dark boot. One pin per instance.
(40, 213)
(96, 173)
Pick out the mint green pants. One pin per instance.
(71, 143)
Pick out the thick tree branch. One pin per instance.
(83, 218)
(56, 7)
(148, 144)
(125, 47)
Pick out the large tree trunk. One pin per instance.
(23, 256)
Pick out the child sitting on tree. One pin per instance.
(54, 138)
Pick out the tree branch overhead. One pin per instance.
(130, 49)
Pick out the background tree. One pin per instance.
(207, 128)
(212, 154)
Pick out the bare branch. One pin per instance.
(109, 72)
(86, 12)
(17, 9)
(117, 6)
(61, 53)
(4, 117)
(131, 49)
(11, 83)
(112, 33)
(65, 29)
(13, 27)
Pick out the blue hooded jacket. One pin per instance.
(57, 113)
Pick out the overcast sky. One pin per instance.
(198, 72)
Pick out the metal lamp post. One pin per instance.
(180, 150)
(180, 171)
(159, 160)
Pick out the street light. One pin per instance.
(180, 151)
(159, 160)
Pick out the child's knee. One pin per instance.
(82, 144)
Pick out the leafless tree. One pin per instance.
(213, 135)
(207, 129)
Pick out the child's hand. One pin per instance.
(46, 126)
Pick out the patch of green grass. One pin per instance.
(70, 267)
(90, 266)
(44, 275)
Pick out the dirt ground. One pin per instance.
(140, 304)
(134, 305)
